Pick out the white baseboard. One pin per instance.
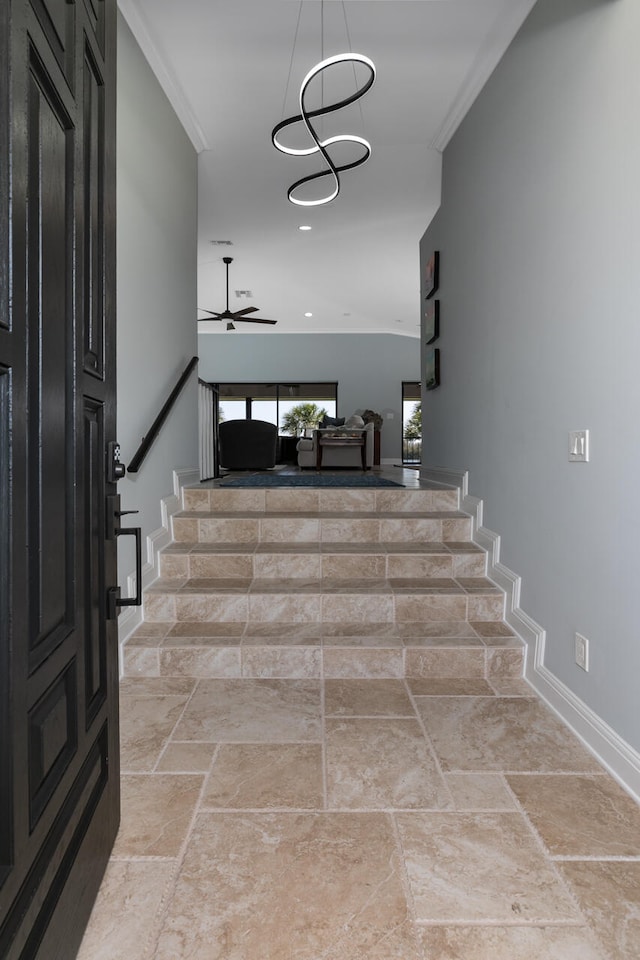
(614, 753)
(131, 617)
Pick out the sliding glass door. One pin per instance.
(411, 423)
(272, 401)
(247, 401)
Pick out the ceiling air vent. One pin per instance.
(221, 243)
(244, 293)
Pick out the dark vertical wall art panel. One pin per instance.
(95, 653)
(51, 479)
(93, 240)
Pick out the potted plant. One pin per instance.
(302, 417)
(370, 416)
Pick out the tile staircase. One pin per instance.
(323, 583)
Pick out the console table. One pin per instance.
(335, 440)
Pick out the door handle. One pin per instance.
(114, 529)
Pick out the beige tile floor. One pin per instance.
(351, 819)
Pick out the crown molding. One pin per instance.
(138, 25)
(502, 32)
(316, 331)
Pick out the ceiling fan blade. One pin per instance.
(212, 312)
(241, 313)
(253, 320)
(209, 319)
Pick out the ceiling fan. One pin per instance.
(231, 316)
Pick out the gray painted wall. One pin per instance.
(156, 249)
(369, 369)
(539, 233)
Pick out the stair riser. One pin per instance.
(374, 566)
(311, 530)
(316, 662)
(319, 608)
(292, 500)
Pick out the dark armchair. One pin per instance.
(247, 444)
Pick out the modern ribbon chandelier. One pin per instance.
(296, 193)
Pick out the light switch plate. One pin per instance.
(579, 446)
(582, 652)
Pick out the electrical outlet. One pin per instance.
(582, 652)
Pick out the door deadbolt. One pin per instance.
(115, 469)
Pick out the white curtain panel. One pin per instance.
(205, 417)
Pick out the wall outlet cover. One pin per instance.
(578, 446)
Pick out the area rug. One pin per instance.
(309, 480)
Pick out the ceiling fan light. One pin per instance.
(230, 326)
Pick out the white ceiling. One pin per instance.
(224, 65)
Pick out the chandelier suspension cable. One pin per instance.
(353, 67)
(293, 50)
(322, 59)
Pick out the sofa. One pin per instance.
(349, 457)
(247, 444)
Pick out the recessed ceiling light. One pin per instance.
(308, 314)
(305, 227)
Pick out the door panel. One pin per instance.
(50, 154)
(58, 21)
(95, 11)
(6, 813)
(93, 176)
(95, 627)
(59, 765)
(53, 740)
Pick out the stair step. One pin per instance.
(300, 600)
(331, 650)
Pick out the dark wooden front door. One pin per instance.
(59, 798)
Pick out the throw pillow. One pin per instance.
(332, 422)
(355, 422)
